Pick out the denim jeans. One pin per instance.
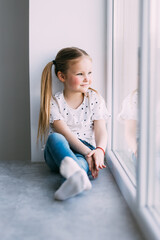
(57, 148)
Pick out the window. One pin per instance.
(133, 82)
(125, 82)
(154, 109)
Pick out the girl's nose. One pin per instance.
(86, 78)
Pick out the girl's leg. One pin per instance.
(83, 163)
(58, 154)
(50, 161)
(56, 149)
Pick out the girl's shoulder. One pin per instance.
(95, 98)
(56, 100)
(92, 91)
(93, 95)
(97, 105)
(57, 96)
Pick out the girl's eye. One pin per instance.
(79, 74)
(90, 73)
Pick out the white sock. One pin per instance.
(68, 167)
(74, 185)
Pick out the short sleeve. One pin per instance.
(98, 106)
(54, 111)
(129, 109)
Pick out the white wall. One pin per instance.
(58, 24)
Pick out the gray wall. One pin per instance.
(14, 80)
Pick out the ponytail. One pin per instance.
(46, 93)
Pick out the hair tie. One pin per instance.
(54, 62)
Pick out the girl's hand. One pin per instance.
(98, 157)
(92, 167)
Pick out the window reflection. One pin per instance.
(129, 117)
(125, 82)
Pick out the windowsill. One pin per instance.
(145, 218)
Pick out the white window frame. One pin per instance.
(135, 196)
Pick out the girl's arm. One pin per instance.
(101, 141)
(61, 127)
(100, 132)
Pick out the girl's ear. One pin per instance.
(61, 76)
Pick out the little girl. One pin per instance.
(75, 119)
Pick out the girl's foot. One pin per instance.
(74, 185)
(68, 167)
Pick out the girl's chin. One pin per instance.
(85, 88)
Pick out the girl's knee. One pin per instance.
(55, 138)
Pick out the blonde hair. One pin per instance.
(61, 63)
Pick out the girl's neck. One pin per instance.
(74, 99)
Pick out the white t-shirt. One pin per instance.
(79, 120)
(129, 109)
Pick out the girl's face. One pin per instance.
(79, 75)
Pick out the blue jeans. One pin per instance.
(57, 148)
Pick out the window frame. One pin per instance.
(136, 197)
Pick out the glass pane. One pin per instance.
(125, 82)
(155, 100)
